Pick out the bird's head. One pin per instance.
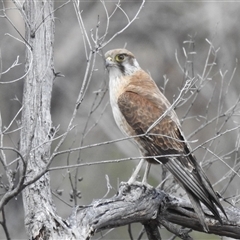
(121, 62)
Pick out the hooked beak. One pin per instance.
(108, 62)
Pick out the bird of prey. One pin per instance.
(142, 112)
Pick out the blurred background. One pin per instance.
(159, 38)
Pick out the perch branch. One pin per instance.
(151, 207)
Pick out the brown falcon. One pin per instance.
(143, 112)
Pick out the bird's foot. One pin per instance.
(133, 178)
(142, 184)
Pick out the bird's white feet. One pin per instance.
(133, 178)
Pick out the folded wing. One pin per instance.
(166, 141)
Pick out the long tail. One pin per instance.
(197, 186)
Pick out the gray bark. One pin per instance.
(151, 207)
(41, 220)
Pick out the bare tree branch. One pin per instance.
(4, 224)
(151, 207)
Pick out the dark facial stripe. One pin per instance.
(121, 66)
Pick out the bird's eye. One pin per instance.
(120, 57)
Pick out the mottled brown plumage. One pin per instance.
(140, 109)
(140, 113)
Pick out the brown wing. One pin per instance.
(140, 113)
(166, 139)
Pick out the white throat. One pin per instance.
(117, 83)
(116, 88)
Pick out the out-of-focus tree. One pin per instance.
(56, 122)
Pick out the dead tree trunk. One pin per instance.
(41, 220)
